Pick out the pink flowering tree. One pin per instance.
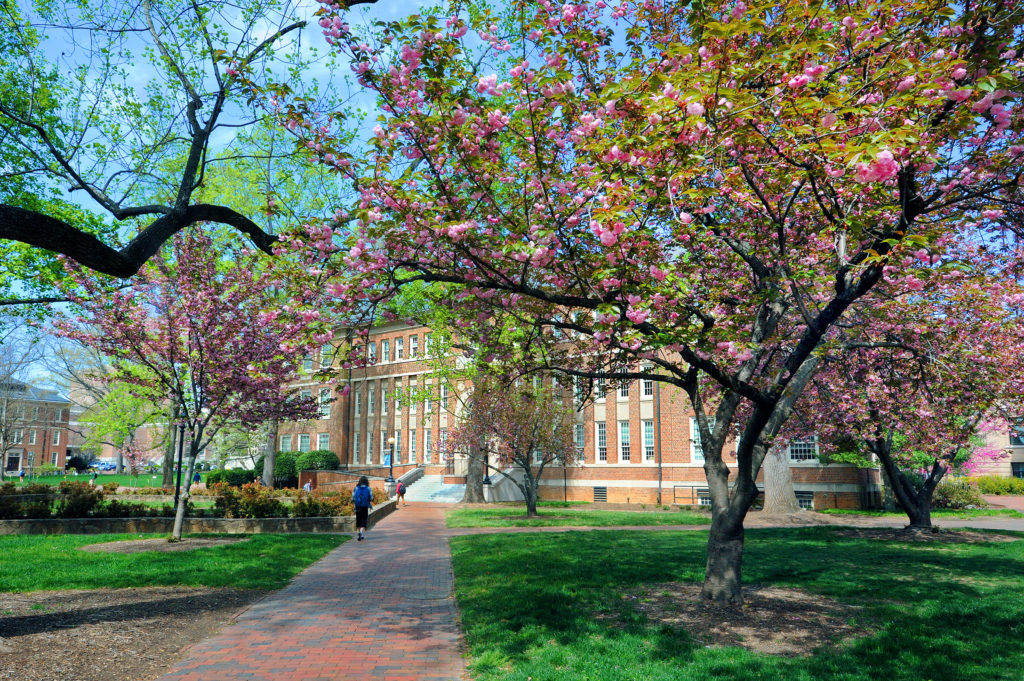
(699, 198)
(515, 425)
(209, 333)
(917, 381)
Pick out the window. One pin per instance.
(323, 441)
(369, 447)
(326, 356)
(704, 497)
(444, 397)
(537, 457)
(412, 446)
(538, 382)
(372, 356)
(357, 396)
(399, 342)
(307, 363)
(35, 413)
(578, 392)
(1017, 469)
(648, 441)
(383, 445)
(426, 446)
(53, 459)
(412, 397)
(355, 447)
(648, 389)
(385, 351)
(304, 443)
(306, 394)
(577, 437)
(623, 441)
(624, 390)
(384, 400)
(602, 442)
(696, 450)
(600, 389)
(805, 500)
(284, 443)
(442, 439)
(426, 344)
(397, 451)
(32, 436)
(414, 346)
(56, 437)
(804, 450)
(371, 399)
(16, 436)
(325, 403)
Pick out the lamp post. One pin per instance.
(390, 461)
(487, 469)
(181, 443)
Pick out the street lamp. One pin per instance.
(487, 469)
(391, 461)
(181, 442)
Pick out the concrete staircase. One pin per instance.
(432, 488)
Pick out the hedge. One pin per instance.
(236, 477)
(317, 460)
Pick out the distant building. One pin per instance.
(622, 434)
(34, 423)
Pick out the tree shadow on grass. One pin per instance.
(928, 603)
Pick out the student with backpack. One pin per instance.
(400, 491)
(362, 499)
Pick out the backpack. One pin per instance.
(361, 497)
(401, 488)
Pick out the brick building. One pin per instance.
(34, 422)
(622, 433)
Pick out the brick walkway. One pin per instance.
(380, 609)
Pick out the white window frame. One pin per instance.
(17, 437)
(383, 446)
(396, 451)
(56, 438)
(355, 447)
(372, 356)
(385, 352)
(426, 344)
(625, 452)
(600, 442)
(802, 444)
(412, 397)
(325, 403)
(326, 356)
(647, 391)
(412, 445)
(600, 390)
(284, 443)
(369, 447)
(358, 399)
(304, 437)
(399, 348)
(444, 396)
(32, 436)
(579, 433)
(426, 446)
(414, 346)
(624, 389)
(649, 450)
(323, 441)
(383, 400)
(371, 401)
(307, 362)
(696, 451)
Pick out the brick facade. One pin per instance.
(36, 422)
(656, 414)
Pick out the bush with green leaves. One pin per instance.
(323, 505)
(77, 500)
(957, 494)
(251, 500)
(236, 477)
(285, 473)
(317, 460)
(78, 463)
(994, 484)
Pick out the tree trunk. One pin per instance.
(529, 488)
(179, 515)
(779, 496)
(270, 454)
(888, 500)
(474, 478)
(723, 572)
(120, 462)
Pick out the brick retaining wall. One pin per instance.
(191, 525)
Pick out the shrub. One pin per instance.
(111, 487)
(317, 460)
(957, 494)
(323, 505)
(48, 469)
(993, 484)
(77, 500)
(252, 500)
(78, 463)
(236, 477)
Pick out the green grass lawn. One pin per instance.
(555, 607)
(144, 480)
(936, 513)
(561, 514)
(265, 561)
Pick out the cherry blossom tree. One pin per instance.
(210, 336)
(515, 424)
(694, 197)
(922, 377)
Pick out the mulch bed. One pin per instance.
(933, 535)
(160, 545)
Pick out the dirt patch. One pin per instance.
(523, 516)
(161, 545)
(935, 534)
(109, 634)
(772, 620)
